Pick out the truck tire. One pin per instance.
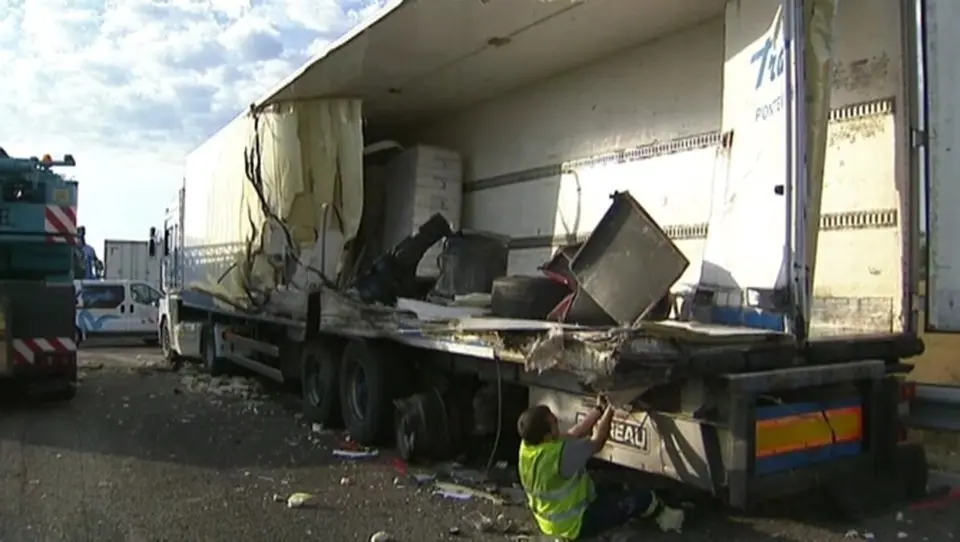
(61, 395)
(529, 298)
(367, 391)
(214, 365)
(166, 345)
(320, 383)
(912, 470)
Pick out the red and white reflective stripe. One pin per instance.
(60, 223)
(25, 350)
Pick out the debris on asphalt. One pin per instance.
(670, 520)
(356, 454)
(483, 524)
(423, 479)
(854, 534)
(221, 386)
(345, 481)
(478, 521)
(513, 495)
(463, 493)
(319, 429)
(381, 536)
(299, 500)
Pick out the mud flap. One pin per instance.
(6, 359)
(866, 493)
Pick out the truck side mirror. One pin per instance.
(152, 243)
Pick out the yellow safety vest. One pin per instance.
(557, 503)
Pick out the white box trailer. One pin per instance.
(130, 260)
(550, 115)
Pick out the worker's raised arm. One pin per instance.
(602, 431)
(584, 427)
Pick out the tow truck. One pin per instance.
(38, 217)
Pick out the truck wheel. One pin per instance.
(214, 365)
(62, 395)
(65, 391)
(530, 298)
(367, 391)
(319, 372)
(912, 470)
(166, 346)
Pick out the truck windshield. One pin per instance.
(23, 188)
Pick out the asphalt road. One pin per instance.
(143, 454)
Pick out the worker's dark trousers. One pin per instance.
(613, 507)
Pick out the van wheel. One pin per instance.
(214, 365)
(319, 382)
(367, 391)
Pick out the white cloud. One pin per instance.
(130, 86)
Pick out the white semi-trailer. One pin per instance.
(784, 230)
(130, 260)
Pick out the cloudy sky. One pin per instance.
(130, 86)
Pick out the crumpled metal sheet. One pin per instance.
(589, 355)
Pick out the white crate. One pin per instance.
(421, 182)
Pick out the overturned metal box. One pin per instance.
(628, 263)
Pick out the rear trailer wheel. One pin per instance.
(319, 381)
(367, 391)
(426, 427)
(214, 365)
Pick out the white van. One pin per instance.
(116, 308)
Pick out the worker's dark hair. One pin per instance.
(534, 424)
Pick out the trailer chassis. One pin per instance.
(699, 428)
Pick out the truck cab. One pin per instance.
(166, 246)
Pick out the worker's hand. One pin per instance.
(602, 403)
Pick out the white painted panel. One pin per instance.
(747, 244)
(942, 20)
(670, 188)
(671, 88)
(130, 260)
(631, 98)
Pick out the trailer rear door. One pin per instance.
(941, 88)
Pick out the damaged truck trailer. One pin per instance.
(543, 211)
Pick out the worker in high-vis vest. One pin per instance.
(560, 493)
